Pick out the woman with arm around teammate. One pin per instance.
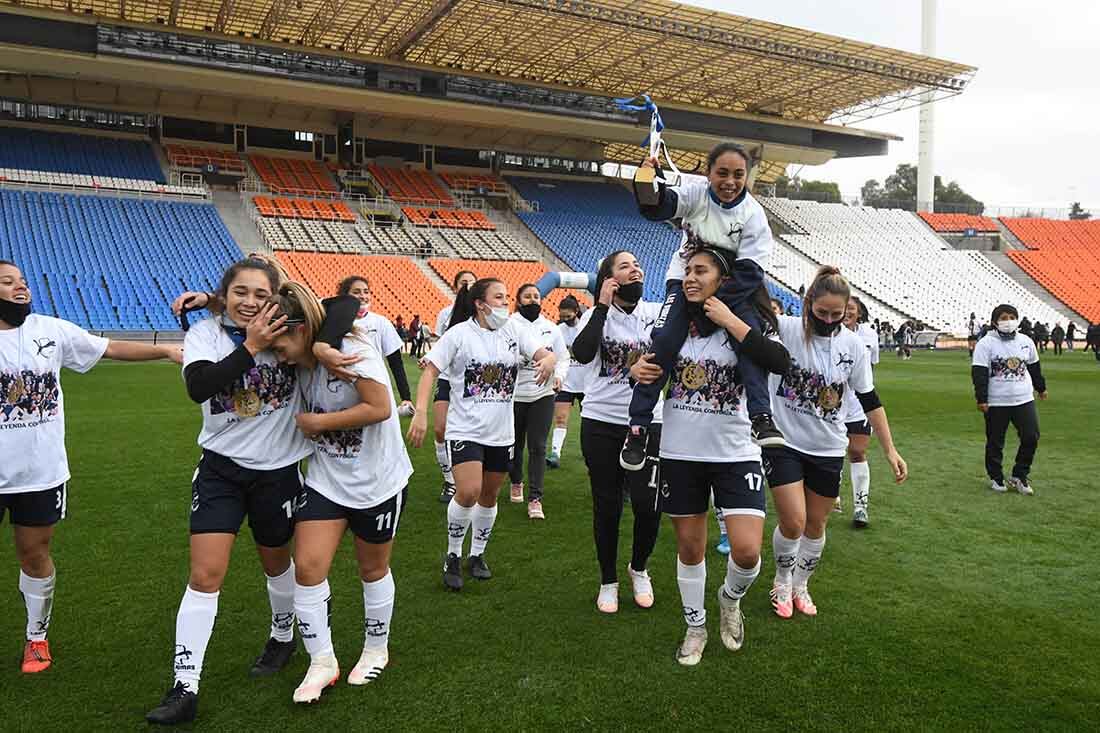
(381, 333)
(481, 353)
(827, 361)
(34, 469)
(443, 395)
(534, 405)
(358, 479)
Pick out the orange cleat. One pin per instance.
(36, 657)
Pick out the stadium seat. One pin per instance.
(411, 185)
(474, 182)
(64, 152)
(189, 156)
(513, 274)
(293, 175)
(958, 222)
(1064, 257)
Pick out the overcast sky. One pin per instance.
(1026, 132)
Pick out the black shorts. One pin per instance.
(686, 487)
(223, 493)
(569, 397)
(375, 525)
(820, 474)
(493, 458)
(859, 427)
(43, 508)
(442, 390)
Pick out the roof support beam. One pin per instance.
(225, 14)
(327, 14)
(437, 12)
(273, 18)
(372, 17)
(173, 14)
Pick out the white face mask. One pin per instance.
(1008, 327)
(496, 318)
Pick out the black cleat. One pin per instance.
(632, 457)
(478, 568)
(275, 656)
(179, 705)
(452, 572)
(447, 492)
(764, 432)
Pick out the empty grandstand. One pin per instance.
(1065, 257)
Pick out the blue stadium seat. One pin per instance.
(64, 152)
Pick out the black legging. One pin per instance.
(601, 443)
(1026, 419)
(532, 426)
(1057, 347)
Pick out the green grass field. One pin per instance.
(958, 609)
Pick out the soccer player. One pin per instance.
(481, 352)
(358, 479)
(573, 388)
(614, 335)
(381, 333)
(719, 213)
(443, 395)
(827, 360)
(534, 403)
(1006, 376)
(34, 469)
(249, 467)
(707, 449)
(859, 430)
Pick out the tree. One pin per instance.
(871, 193)
(1076, 213)
(797, 188)
(900, 191)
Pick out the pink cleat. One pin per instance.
(803, 602)
(781, 600)
(517, 493)
(643, 587)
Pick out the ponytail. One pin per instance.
(464, 308)
(301, 307)
(828, 281)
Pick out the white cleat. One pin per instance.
(369, 667)
(998, 487)
(691, 649)
(643, 587)
(1021, 485)
(323, 672)
(608, 599)
(732, 624)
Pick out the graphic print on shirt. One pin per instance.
(28, 399)
(490, 381)
(262, 389)
(616, 358)
(706, 387)
(1011, 369)
(809, 392)
(335, 443)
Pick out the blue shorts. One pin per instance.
(442, 390)
(375, 525)
(493, 458)
(43, 508)
(223, 493)
(687, 486)
(819, 474)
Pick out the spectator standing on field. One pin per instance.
(1058, 335)
(1071, 332)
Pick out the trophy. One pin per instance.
(648, 180)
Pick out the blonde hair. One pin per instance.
(297, 302)
(827, 281)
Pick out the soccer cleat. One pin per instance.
(859, 518)
(838, 505)
(764, 432)
(517, 493)
(608, 599)
(643, 587)
(998, 486)
(478, 568)
(446, 493)
(179, 705)
(275, 656)
(534, 510)
(1021, 485)
(36, 656)
(723, 545)
(369, 667)
(553, 460)
(323, 672)
(781, 600)
(691, 648)
(732, 624)
(632, 457)
(452, 571)
(803, 602)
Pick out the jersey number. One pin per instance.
(289, 507)
(653, 476)
(755, 481)
(385, 521)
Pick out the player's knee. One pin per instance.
(373, 569)
(691, 553)
(857, 455)
(793, 526)
(440, 432)
(815, 526)
(746, 554)
(34, 557)
(206, 579)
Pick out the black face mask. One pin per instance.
(823, 327)
(568, 321)
(530, 311)
(14, 313)
(631, 292)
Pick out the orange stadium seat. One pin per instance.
(460, 181)
(187, 156)
(513, 274)
(448, 218)
(1064, 257)
(293, 175)
(410, 185)
(958, 222)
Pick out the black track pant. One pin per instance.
(532, 426)
(1026, 419)
(601, 443)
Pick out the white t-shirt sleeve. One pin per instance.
(80, 350)
(443, 351)
(860, 379)
(201, 343)
(371, 365)
(526, 338)
(690, 195)
(387, 337)
(1032, 353)
(561, 353)
(756, 238)
(981, 354)
(442, 319)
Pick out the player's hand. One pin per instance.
(544, 368)
(418, 428)
(1043, 395)
(651, 162)
(897, 463)
(718, 312)
(190, 300)
(406, 409)
(336, 361)
(172, 352)
(608, 290)
(262, 331)
(422, 362)
(645, 371)
(309, 423)
(557, 384)
(983, 407)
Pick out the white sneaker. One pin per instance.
(608, 599)
(691, 649)
(998, 487)
(732, 624)
(643, 587)
(1021, 485)
(323, 672)
(369, 667)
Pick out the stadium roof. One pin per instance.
(681, 55)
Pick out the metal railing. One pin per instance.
(203, 194)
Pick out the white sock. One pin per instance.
(721, 524)
(809, 553)
(739, 579)
(378, 606)
(557, 441)
(313, 604)
(692, 580)
(38, 597)
(786, 552)
(443, 457)
(194, 624)
(861, 484)
(280, 591)
(458, 523)
(483, 520)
